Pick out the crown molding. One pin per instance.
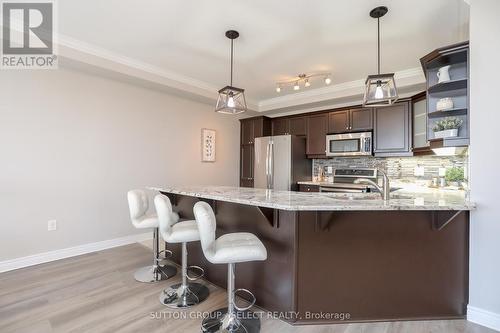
(347, 90)
(72, 50)
(101, 60)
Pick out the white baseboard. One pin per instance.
(483, 317)
(9, 265)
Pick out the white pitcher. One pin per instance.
(443, 74)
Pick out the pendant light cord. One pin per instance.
(231, 62)
(378, 43)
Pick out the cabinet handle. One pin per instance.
(347, 128)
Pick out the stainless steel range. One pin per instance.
(343, 181)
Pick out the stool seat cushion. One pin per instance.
(238, 247)
(182, 232)
(146, 221)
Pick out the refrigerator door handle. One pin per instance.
(267, 166)
(271, 165)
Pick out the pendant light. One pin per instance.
(231, 99)
(380, 89)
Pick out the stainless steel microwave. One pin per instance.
(349, 144)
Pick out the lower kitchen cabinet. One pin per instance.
(392, 130)
(317, 128)
(308, 188)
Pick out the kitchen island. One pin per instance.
(337, 257)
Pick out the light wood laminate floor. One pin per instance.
(97, 293)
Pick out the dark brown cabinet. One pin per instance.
(293, 126)
(298, 126)
(317, 127)
(247, 162)
(281, 126)
(361, 119)
(392, 134)
(308, 188)
(338, 122)
(251, 128)
(353, 120)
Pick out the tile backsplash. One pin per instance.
(396, 167)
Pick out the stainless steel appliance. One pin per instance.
(343, 180)
(349, 144)
(280, 162)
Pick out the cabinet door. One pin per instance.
(317, 127)
(392, 130)
(247, 132)
(280, 126)
(338, 122)
(420, 125)
(361, 119)
(308, 188)
(246, 163)
(297, 126)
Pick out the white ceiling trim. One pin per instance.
(98, 57)
(409, 77)
(92, 55)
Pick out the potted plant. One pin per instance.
(454, 176)
(447, 127)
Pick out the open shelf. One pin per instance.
(457, 89)
(448, 113)
(448, 85)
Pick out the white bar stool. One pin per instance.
(138, 206)
(228, 249)
(185, 294)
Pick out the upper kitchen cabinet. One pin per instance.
(252, 128)
(281, 126)
(338, 121)
(392, 134)
(419, 109)
(289, 125)
(317, 128)
(361, 119)
(353, 120)
(298, 126)
(447, 75)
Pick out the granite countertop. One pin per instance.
(305, 201)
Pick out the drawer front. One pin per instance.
(308, 188)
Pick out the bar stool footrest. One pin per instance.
(195, 277)
(248, 292)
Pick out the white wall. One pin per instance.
(485, 161)
(72, 144)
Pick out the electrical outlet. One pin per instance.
(329, 169)
(52, 225)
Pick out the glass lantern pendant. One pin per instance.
(380, 89)
(231, 100)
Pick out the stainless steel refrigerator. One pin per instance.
(280, 162)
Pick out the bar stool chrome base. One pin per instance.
(150, 274)
(220, 321)
(181, 297)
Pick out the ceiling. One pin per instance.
(185, 38)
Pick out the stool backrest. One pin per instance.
(205, 218)
(137, 204)
(166, 216)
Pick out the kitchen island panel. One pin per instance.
(382, 265)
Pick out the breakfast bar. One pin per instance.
(336, 257)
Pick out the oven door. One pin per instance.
(350, 144)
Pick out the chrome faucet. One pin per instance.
(385, 190)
